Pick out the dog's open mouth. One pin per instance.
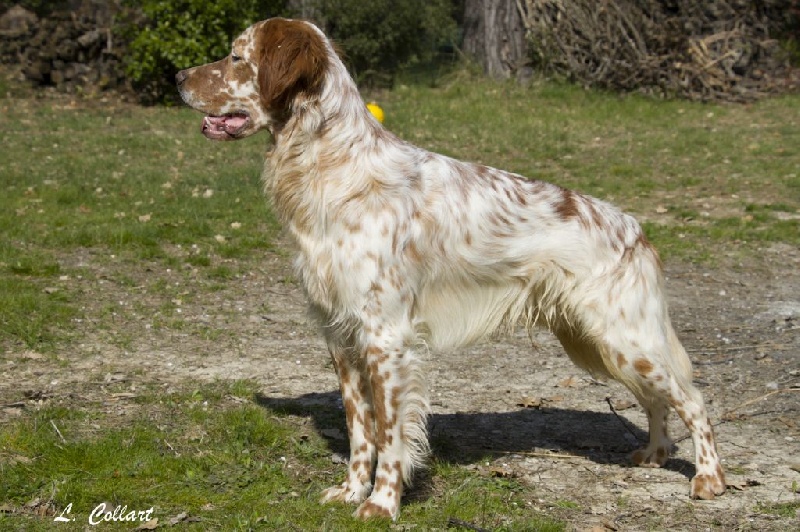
(225, 127)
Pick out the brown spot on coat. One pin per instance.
(643, 366)
(567, 208)
(413, 252)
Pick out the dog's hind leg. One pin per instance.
(642, 351)
(623, 330)
(587, 355)
(653, 380)
(656, 453)
(658, 373)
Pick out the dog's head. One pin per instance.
(273, 68)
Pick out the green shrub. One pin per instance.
(377, 37)
(380, 37)
(167, 36)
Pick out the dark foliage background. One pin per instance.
(377, 38)
(716, 49)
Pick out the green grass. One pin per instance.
(781, 509)
(231, 464)
(137, 183)
(130, 180)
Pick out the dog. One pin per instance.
(402, 250)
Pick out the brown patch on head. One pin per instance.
(643, 366)
(292, 62)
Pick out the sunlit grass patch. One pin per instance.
(212, 453)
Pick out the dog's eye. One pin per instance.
(235, 58)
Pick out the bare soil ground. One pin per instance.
(504, 408)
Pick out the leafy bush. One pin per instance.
(377, 37)
(167, 36)
(382, 36)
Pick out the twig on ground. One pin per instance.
(542, 455)
(727, 414)
(621, 419)
(727, 348)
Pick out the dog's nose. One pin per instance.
(180, 77)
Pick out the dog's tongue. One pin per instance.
(222, 127)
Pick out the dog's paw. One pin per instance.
(649, 457)
(370, 509)
(707, 487)
(345, 493)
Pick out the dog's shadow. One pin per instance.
(467, 438)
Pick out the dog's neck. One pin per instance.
(317, 138)
(337, 115)
(332, 149)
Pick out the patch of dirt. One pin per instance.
(503, 408)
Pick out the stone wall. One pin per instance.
(72, 50)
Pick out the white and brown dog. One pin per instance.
(402, 248)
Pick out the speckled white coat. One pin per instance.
(402, 250)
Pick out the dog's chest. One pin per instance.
(338, 267)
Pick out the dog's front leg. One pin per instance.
(357, 399)
(400, 407)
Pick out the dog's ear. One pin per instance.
(293, 60)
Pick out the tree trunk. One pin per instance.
(495, 36)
